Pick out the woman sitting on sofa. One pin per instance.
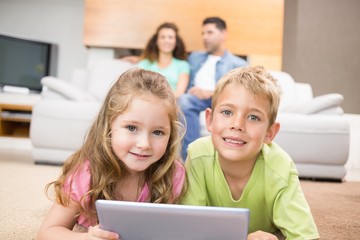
(165, 53)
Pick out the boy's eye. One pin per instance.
(226, 112)
(131, 128)
(158, 133)
(253, 118)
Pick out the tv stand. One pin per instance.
(15, 113)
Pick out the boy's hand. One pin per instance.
(96, 232)
(260, 235)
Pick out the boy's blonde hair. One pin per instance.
(105, 167)
(257, 81)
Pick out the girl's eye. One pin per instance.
(253, 118)
(226, 112)
(158, 133)
(131, 128)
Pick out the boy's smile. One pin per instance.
(239, 124)
(234, 141)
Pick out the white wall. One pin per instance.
(59, 22)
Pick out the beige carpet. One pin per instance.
(336, 206)
(23, 203)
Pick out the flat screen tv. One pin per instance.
(24, 62)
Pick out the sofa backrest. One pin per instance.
(103, 74)
(287, 83)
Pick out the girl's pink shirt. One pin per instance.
(81, 184)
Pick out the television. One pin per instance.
(24, 62)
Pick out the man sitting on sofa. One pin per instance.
(206, 68)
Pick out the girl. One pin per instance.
(130, 154)
(165, 53)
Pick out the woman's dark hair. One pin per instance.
(151, 51)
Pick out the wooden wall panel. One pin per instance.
(255, 27)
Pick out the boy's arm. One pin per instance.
(292, 214)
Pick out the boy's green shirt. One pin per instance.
(273, 193)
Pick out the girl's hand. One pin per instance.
(96, 232)
(260, 235)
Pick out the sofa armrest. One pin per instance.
(57, 89)
(320, 104)
(336, 110)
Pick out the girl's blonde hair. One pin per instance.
(105, 167)
(256, 80)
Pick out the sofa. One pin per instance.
(313, 130)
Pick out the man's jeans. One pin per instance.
(191, 106)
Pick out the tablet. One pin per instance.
(135, 220)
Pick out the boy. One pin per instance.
(240, 166)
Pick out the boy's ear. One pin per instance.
(272, 132)
(208, 118)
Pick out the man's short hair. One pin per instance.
(220, 24)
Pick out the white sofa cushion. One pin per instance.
(287, 84)
(65, 89)
(61, 124)
(316, 139)
(318, 104)
(103, 74)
